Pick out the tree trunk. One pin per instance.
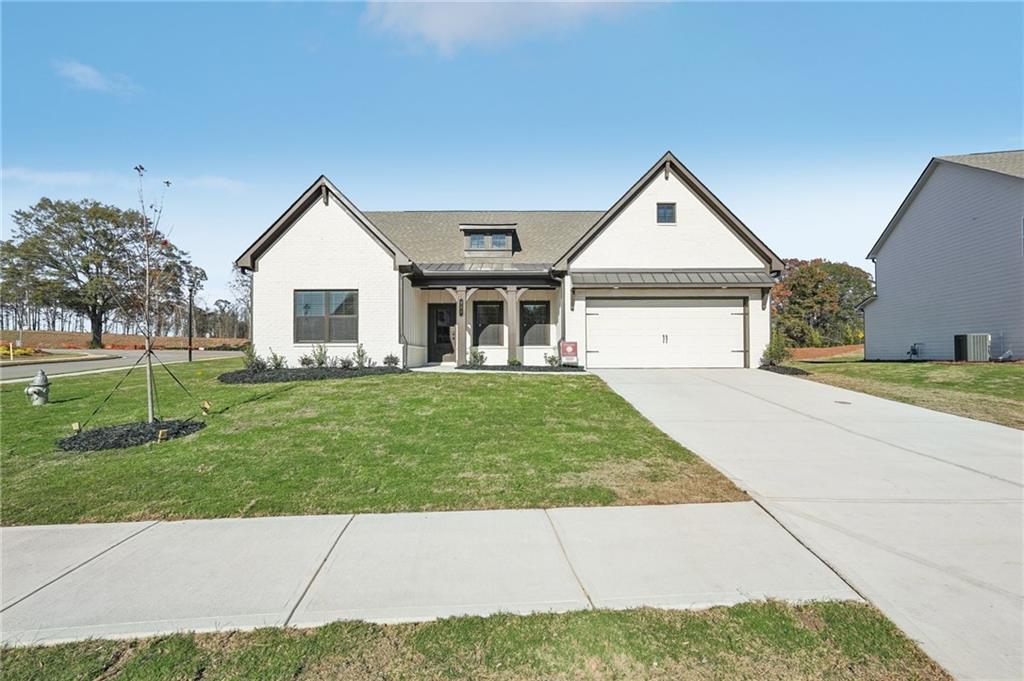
(96, 322)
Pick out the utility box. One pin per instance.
(972, 347)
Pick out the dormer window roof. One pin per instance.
(488, 241)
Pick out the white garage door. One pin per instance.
(664, 332)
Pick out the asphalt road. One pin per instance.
(115, 359)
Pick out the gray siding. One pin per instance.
(953, 264)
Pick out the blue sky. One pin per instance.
(811, 121)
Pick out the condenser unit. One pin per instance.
(972, 347)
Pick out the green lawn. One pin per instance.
(750, 641)
(374, 444)
(987, 391)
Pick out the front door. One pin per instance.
(440, 330)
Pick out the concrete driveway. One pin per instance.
(918, 510)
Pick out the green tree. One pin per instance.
(73, 253)
(815, 301)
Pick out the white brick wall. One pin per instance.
(325, 249)
(952, 265)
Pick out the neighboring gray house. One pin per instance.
(666, 277)
(951, 261)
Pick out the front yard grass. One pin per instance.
(987, 391)
(405, 442)
(768, 640)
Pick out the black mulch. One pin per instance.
(536, 368)
(303, 374)
(127, 435)
(788, 371)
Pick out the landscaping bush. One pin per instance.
(276, 361)
(553, 360)
(252, 361)
(362, 358)
(306, 361)
(319, 355)
(391, 360)
(776, 352)
(476, 358)
(304, 374)
(514, 362)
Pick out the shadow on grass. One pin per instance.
(255, 398)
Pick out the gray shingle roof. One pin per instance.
(656, 278)
(434, 236)
(1005, 162)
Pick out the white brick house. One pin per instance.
(667, 277)
(951, 261)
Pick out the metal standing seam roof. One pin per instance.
(483, 267)
(734, 278)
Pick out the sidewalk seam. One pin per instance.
(316, 574)
(82, 564)
(565, 554)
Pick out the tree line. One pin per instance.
(814, 303)
(71, 266)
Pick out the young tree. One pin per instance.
(74, 255)
(241, 289)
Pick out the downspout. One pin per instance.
(401, 319)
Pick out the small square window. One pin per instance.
(499, 242)
(666, 213)
(476, 241)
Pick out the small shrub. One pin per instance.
(362, 358)
(553, 360)
(514, 362)
(319, 355)
(776, 351)
(344, 363)
(391, 360)
(476, 358)
(306, 362)
(251, 360)
(276, 361)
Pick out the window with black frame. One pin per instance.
(488, 323)
(534, 322)
(327, 316)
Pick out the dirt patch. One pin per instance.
(637, 482)
(116, 341)
(821, 353)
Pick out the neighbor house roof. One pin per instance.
(435, 236)
(1003, 162)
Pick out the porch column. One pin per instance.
(511, 296)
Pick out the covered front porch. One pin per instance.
(502, 314)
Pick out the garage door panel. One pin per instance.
(664, 332)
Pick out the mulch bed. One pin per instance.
(505, 367)
(127, 435)
(303, 374)
(788, 371)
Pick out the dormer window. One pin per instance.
(488, 241)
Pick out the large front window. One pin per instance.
(327, 316)
(534, 322)
(488, 323)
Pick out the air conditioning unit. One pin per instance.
(972, 347)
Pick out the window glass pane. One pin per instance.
(476, 240)
(499, 241)
(343, 302)
(534, 320)
(488, 319)
(666, 212)
(344, 329)
(309, 303)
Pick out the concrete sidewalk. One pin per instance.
(921, 511)
(71, 582)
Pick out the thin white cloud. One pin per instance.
(448, 26)
(61, 178)
(85, 77)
